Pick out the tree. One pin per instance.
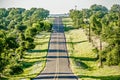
(37, 26)
(17, 35)
(1, 45)
(11, 43)
(3, 12)
(31, 32)
(47, 26)
(95, 8)
(111, 34)
(77, 17)
(86, 13)
(115, 8)
(97, 29)
(21, 28)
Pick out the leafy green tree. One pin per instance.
(77, 17)
(3, 12)
(2, 35)
(95, 8)
(11, 43)
(97, 29)
(12, 24)
(110, 34)
(17, 33)
(96, 25)
(29, 39)
(29, 45)
(115, 8)
(26, 15)
(31, 32)
(21, 28)
(105, 24)
(37, 26)
(47, 26)
(1, 45)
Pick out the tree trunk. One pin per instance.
(100, 56)
(100, 45)
(89, 34)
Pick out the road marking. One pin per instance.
(57, 61)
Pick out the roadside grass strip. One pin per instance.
(83, 60)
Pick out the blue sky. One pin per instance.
(56, 6)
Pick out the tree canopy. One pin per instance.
(105, 24)
(18, 28)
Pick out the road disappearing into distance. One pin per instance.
(57, 65)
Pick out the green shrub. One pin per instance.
(6, 71)
(112, 57)
(16, 69)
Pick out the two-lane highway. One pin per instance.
(57, 65)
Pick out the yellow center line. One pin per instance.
(57, 61)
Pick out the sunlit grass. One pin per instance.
(67, 21)
(83, 60)
(51, 20)
(34, 60)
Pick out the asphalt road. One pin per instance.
(57, 66)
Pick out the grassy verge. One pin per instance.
(83, 60)
(67, 21)
(68, 24)
(34, 60)
(51, 20)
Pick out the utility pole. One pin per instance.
(119, 18)
(76, 23)
(75, 7)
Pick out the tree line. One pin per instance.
(18, 28)
(105, 24)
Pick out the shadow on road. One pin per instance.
(57, 57)
(56, 50)
(54, 73)
(52, 77)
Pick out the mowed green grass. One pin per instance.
(67, 21)
(34, 60)
(83, 59)
(51, 20)
(68, 24)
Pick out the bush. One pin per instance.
(6, 72)
(96, 51)
(16, 70)
(12, 69)
(30, 45)
(29, 39)
(31, 32)
(113, 57)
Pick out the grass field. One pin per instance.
(51, 20)
(67, 21)
(68, 24)
(83, 61)
(34, 60)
